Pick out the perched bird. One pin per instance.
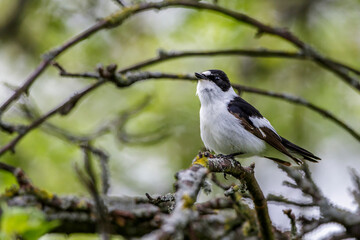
(231, 126)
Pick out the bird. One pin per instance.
(232, 127)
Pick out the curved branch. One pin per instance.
(283, 96)
(169, 55)
(119, 17)
(261, 52)
(45, 63)
(63, 109)
(337, 68)
(131, 78)
(301, 101)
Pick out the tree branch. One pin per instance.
(122, 81)
(301, 101)
(187, 187)
(282, 200)
(246, 175)
(283, 96)
(18, 173)
(261, 53)
(329, 212)
(170, 55)
(119, 17)
(45, 63)
(188, 219)
(120, 2)
(292, 218)
(63, 109)
(134, 217)
(90, 182)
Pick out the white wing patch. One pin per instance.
(262, 133)
(262, 122)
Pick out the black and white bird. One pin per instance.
(231, 126)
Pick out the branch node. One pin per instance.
(232, 190)
(162, 53)
(291, 216)
(259, 33)
(62, 71)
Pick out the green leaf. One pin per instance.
(29, 223)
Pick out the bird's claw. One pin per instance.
(229, 156)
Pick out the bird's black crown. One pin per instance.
(216, 76)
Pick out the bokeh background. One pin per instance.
(331, 26)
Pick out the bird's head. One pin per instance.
(215, 78)
(213, 85)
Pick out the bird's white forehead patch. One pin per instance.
(206, 73)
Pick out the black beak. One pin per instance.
(201, 76)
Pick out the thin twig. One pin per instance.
(303, 102)
(356, 192)
(120, 2)
(218, 183)
(90, 182)
(215, 204)
(255, 53)
(291, 216)
(104, 165)
(63, 108)
(19, 174)
(282, 200)
(84, 141)
(45, 63)
(169, 55)
(329, 212)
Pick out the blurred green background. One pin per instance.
(331, 26)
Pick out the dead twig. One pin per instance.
(89, 180)
(329, 212)
(292, 218)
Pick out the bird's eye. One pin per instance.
(211, 77)
(217, 79)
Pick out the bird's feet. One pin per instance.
(231, 156)
(205, 154)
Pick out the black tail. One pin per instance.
(300, 151)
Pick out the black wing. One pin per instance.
(243, 111)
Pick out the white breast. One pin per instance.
(221, 131)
